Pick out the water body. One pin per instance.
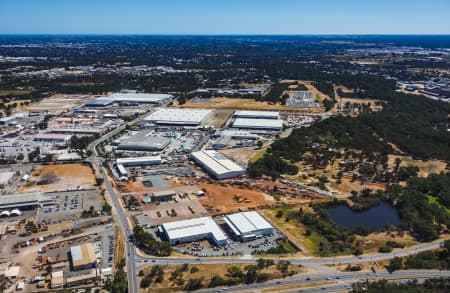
(374, 219)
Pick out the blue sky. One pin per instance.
(225, 17)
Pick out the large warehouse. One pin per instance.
(193, 230)
(139, 161)
(25, 201)
(130, 98)
(177, 117)
(83, 256)
(257, 114)
(142, 141)
(217, 165)
(265, 124)
(248, 225)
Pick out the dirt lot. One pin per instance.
(58, 103)
(224, 199)
(241, 155)
(47, 178)
(245, 104)
(219, 118)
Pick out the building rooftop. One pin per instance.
(5, 177)
(262, 114)
(143, 141)
(246, 222)
(258, 123)
(216, 162)
(52, 136)
(83, 254)
(139, 97)
(187, 228)
(178, 116)
(125, 161)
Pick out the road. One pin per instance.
(336, 282)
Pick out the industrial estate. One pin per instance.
(252, 175)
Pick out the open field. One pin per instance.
(221, 199)
(218, 118)
(372, 242)
(58, 103)
(245, 104)
(206, 272)
(241, 155)
(47, 178)
(425, 167)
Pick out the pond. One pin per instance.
(374, 218)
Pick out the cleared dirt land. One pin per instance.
(245, 104)
(225, 199)
(425, 167)
(47, 178)
(58, 103)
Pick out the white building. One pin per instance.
(263, 124)
(139, 98)
(193, 230)
(217, 165)
(5, 178)
(248, 225)
(139, 161)
(257, 114)
(52, 137)
(177, 117)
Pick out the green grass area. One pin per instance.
(4, 93)
(434, 200)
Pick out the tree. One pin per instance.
(395, 264)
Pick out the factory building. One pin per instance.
(77, 131)
(5, 178)
(8, 121)
(217, 165)
(248, 225)
(257, 114)
(139, 161)
(261, 124)
(193, 230)
(98, 102)
(142, 141)
(25, 201)
(177, 117)
(164, 195)
(52, 137)
(139, 98)
(83, 256)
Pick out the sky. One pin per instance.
(224, 16)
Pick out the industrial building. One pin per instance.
(217, 165)
(193, 230)
(177, 117)
(257, 114)
(139, 98)
(248, 225)
(8, 121)
(25, 201)
(52, 137)
(83, 256)
(262, 124)
(139, 161)
(57, 281)
(302, 99)
(99, 102)
(142, 141)
(5, 178)
(164, 195)
(77, 131)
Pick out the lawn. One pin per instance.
(4, 93)
(434, 200)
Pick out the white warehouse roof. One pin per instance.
(275, 124)
(139, 97)
(138, 160)
(257, 114)
(220, 166)
(178, 116)
(247, 222)
(198, 226)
